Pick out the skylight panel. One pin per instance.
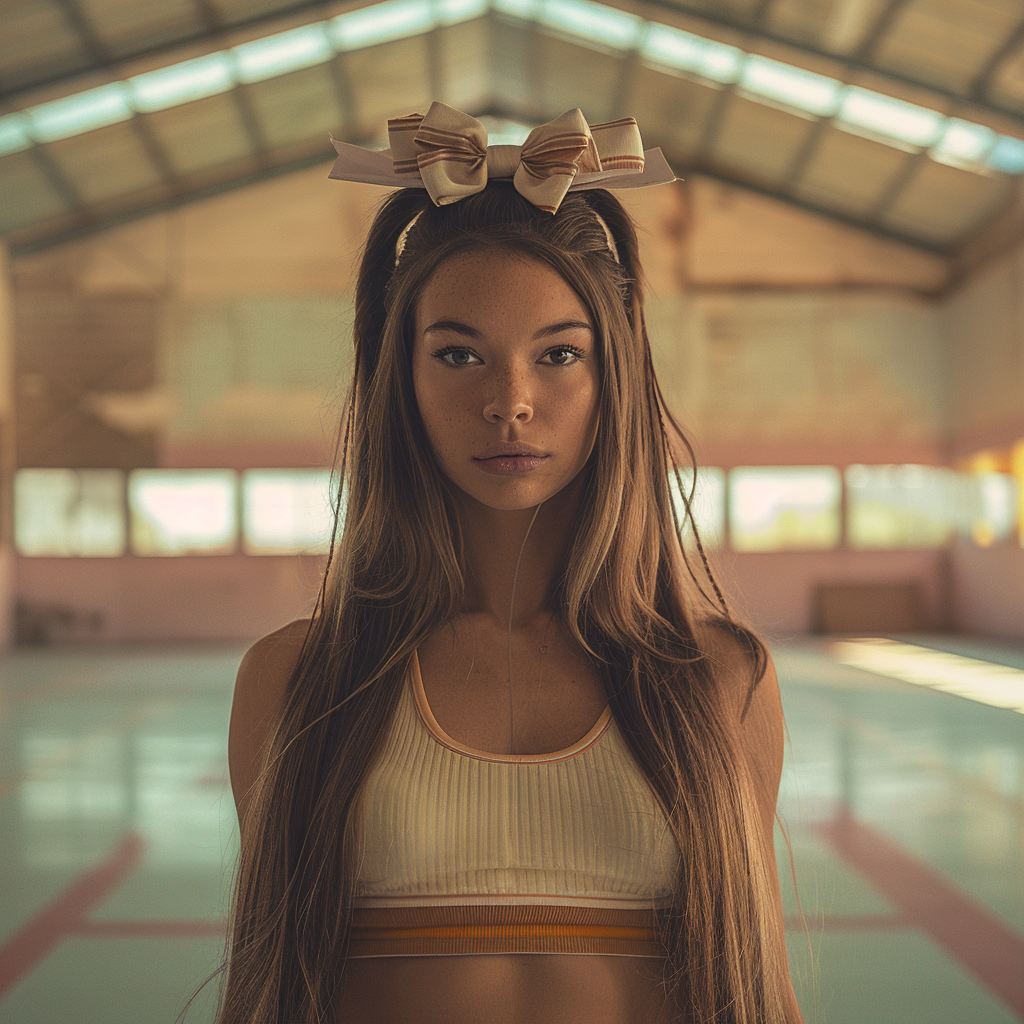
(1007, 155)
(595, 22)
(82, 112)
(182, 83)
(14, 135)
(381, 23)
(963, 143)
(792, 86)
(452, 12)
(683, 51)
(283, 52)
(895, 119)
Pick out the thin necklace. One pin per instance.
(511, 608)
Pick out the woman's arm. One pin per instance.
(761, 734)
(258, 702)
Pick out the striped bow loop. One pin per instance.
(447, 150)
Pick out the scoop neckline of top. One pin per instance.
(595, 732)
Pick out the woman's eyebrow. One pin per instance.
(457, 327)
(564, 325)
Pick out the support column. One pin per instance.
(7, 451)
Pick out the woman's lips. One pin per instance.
(510, 463)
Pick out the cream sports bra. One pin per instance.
(465, 851)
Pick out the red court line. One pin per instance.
(984, 945)
(27, 946)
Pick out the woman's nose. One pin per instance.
(510, 400)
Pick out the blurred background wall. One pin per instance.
(218, 335)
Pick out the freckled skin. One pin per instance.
(511, 387)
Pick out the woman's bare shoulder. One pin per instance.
(754, 705)
(273, 655)
(258, 702)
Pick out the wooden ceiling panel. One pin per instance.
(1007, 85)
(105, 163)
(944, 204)
(577, 77)
(233, 11)
(849, 172)
(29, 197)
(836, 26)
(303, 105)
(36, 34)
(514, 51)
(759, 141)
(389, 81)
(673, 112)
(127, 26)
(946, 43)
(464, 58)
(740, 9)
(201, 134)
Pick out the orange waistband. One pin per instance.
(455, 930)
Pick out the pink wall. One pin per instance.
(774, 591)
(240, 598)
(989, 589)
(215, 597)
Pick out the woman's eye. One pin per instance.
(566, 350)
(457, 352)
(564, 355)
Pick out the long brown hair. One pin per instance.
(630, 597)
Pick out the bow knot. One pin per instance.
(447, 150)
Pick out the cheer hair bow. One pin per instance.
(445, 151)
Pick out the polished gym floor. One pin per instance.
(903, 799)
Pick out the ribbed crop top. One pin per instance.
(464, 851)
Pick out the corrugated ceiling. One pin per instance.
(903, 117)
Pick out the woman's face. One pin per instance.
(505, 352)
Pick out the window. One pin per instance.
(784, 508)
(901, 506)
(183, 512)
(286, 511)
(63, 512)
(708, 504)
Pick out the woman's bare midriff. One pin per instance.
(516, 988)
(557, 699)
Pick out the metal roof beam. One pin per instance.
(208, 15)
(848, 67)
(877, 31)
(90, 40)
(899, 184)
(863, 224)
(720, 18)
(58, 179)
(980, 86)
(216, 33)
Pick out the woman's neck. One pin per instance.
(493, 542)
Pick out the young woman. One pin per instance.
(519, 767)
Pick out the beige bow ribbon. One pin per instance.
(447, 150)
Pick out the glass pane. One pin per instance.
(286, 511)
(993, 502)
(708, 504)
(783, 508)
(902, 506)
(183, 511)
(63, 512)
